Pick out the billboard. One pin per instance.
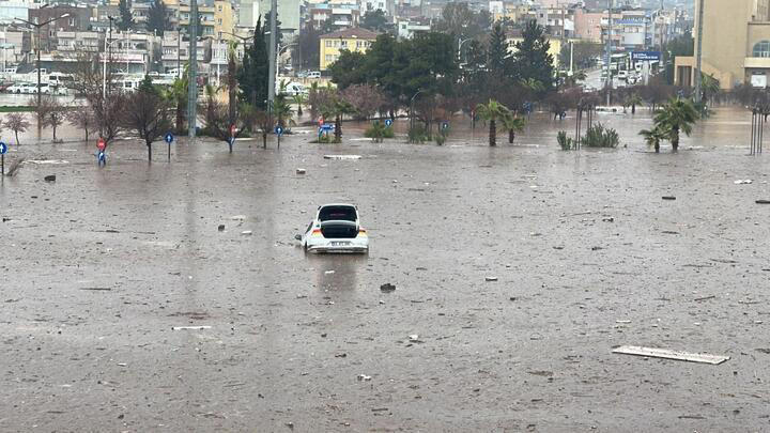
(645, 56)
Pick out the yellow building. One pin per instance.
(354, 39)
(736, 44)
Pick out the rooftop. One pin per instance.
(354, 33)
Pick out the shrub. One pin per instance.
(599, 136)
(418, 134)
(564, 142)
(378, 131)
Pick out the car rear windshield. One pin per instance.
(337, 213)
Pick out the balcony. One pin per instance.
(756, 63)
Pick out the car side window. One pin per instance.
(309, 227)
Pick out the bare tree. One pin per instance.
(366, 99)
(220, 124)
(82, 118)
(109, 114)
(51, 113)
(149, 115)
(265, 122)
(17, 122)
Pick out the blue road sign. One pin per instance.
(3, 148)
(445, 125)
(278, 130)
(169, 138)
(327, 127)
(388, 122)
(645, 56)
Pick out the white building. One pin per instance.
(407, 27)
(248, 14)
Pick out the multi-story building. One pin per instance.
(288, 14)
(736, 45)
(407, 27)
(342, 13)
(332, 44)
(78, 19)
(131, 52)
(176, 53)
(11, 10)
(387, 6)
(216, 17)
(248, 14)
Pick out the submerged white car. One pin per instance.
(335, 229)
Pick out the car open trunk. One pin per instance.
(336, 229)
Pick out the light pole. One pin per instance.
(108, 52)
(411, 112)
(699, 53)
(278, 56)
(460, 47)
(609, 50)
(192, 81)
(37, 27)
(273, 41)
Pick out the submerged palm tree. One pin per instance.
(653, 137)
(678, 115)
(513, 124)
(492, 112)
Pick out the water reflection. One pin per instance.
(336, 272)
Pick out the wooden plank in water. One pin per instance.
(671, 354)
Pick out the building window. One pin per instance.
(328, 44)
(762, 49)
(329, 58)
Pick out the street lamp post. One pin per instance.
(37, 27)
(699, 53)
(273, 41)
(411, 112)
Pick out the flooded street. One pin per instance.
(102, 267)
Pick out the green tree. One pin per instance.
(513, 124)
(676, 116)
(531, 59)
(126, 19)
(498, 62)
(350, 68)
(336, 108)
(459, 21)
(632, 101)
(253, 75)
(158, 18)
(376, 21)
(299, 100)
(492, 112)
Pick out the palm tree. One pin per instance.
(299, 99)
(710, 86)
(633, 100)
(177, 94)
(678, 115)
(492, 112)
(336, 108)
(513, 124)
(653, 137)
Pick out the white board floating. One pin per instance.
(342, 156)
(671, 354)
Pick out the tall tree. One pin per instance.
(253, 75)
(531, 59)
(499, 58)
(126, 19)
(493, 112)
(158, 18)
(349, 69)
(149, 115)
(461, 22)
(376, 21)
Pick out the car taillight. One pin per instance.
(362, 232)
(316, 232)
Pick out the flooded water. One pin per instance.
(102, 267)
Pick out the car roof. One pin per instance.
(337, 204)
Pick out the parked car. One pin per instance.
(314, 74)
(335, 229)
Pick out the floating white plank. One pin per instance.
(671, 354)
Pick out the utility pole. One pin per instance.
(699, 52)
(273, 55)
(609, 50)
(192, 80)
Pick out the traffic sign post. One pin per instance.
(445, 126)
(279, 133)
(388, 122)
(3, 151)
(169, 139)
